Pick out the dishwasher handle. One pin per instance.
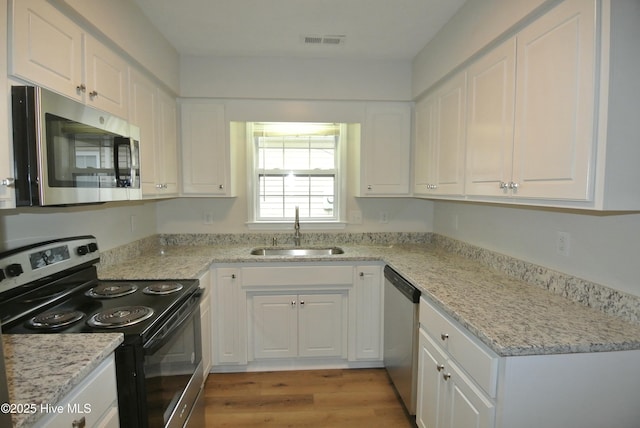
(404, 286)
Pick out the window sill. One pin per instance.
(288, 225)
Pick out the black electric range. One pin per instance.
(52, 287)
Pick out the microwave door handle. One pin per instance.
(120, 141)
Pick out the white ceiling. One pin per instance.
(374, 29)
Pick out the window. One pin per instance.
(296, 165)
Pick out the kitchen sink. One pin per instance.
(296, 251)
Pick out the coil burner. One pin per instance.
(120, 317)
(55, 320)
(111, 290)
(163, 288)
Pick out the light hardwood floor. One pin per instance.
(310, 398)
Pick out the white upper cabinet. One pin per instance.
(384, 152)
(440, 139)
(47, 47)
(549, 115)
(7, 193)
(554, 141)
(50, 50)
(532, 113)
(106, 78)
(154, 112)
(490, 116)
(167, 159)
(207, 154)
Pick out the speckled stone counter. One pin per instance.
(509, 315)
(44, 368)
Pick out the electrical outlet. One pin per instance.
(563, 243)
(384, 217)
(355, 217)
(207, 218)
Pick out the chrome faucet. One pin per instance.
(296, 228)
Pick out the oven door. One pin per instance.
(173, 371)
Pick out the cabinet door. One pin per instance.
(424, 149)
(229, 315)
(275, 326)
(322, 325)
(449, 153)
(7, 193)
(107, 78)
(167, 160)
(144, 114)
(431, 387)
(554, 132)
(385, 151)
(467, 406)
(206, 160)
(490, 109)
(47, 47)
(368, 295)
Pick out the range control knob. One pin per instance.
(2, 275)
(14, 270)
(82, 250)
(93, 247)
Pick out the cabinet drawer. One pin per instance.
(297, 275)
(477, 360)
(94, 400)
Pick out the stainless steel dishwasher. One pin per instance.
(401, 301)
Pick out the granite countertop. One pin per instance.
(44, 368)
(510, 316)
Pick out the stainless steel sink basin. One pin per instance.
(296, 251)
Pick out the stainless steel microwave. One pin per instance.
(67, 153)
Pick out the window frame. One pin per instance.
(253, 191)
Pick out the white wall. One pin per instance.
(604, 248)
(473, 27)
(110, 223)
(286, 78)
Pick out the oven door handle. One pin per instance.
(184, 312)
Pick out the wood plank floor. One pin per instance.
(309, 398)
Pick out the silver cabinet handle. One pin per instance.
(444, 336)
(293, 303)
(8, 182)
(221, 186)
(504, 185)
(513, 185)
(233, 276)
(93, 94)
(301, 302)
(81, 88)
(439, 367)
(369, 187)
(361, 274)
(446, 376)
(79, 423)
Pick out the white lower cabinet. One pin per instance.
(296, 314)
(447, 397)
(463, 384)
(228, 309)
(92, 403)
(303, 325)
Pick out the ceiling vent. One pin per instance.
(331, 40)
